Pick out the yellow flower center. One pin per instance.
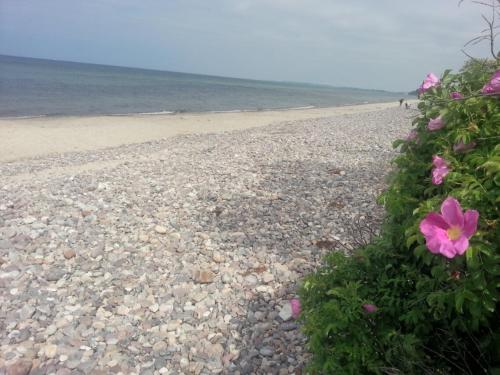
(454, 233)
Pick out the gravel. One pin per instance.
(180, 256)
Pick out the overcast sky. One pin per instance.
(383, 44)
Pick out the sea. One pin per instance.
(37, 87)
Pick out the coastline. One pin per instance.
(22, 138)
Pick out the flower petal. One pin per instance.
(296, 309)
(452, 212)
(370, 308)
(448, 249)
(438, 174)
(438, 161)
(431, 223)
(433, 244)
(470, 223)
(461, 245)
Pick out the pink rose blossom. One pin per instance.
(440, 170)
(456, 95)
(448, 233)
(493, 86)
(435, 124)
(295, 303)
(430, 81)
(412, 136)
(369, 308)
(462, 147)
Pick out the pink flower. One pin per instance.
(412, 136)
(440, 170)
(435, 124)
(456, 95)
(295, 303)
(369, 308)
(493, 86)
(448, 233)
(462, 147)
(430, 81)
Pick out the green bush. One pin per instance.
(435, 315)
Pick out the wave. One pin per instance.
(140, 113)
(22, 117)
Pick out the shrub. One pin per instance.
(437, 302)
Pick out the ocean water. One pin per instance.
(36, 87)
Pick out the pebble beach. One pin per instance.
(180, 254)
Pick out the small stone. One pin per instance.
(19, 368)
(266, 351)
(54, 274)
(251, 280)
(69, 253)
(160, 229)
(160, 346)
(154, 307)
(50, 350)
(122, 310)
(218, 257)
(267, 277)
(184, 362)
(286, 312)
(204, 276)
(29, 220)
(50, 330)
(198, 297)
(172, 325)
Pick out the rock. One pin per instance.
(266, 351)
(63, 371)
(286, 312)
(54, 274)
(203, 276)
(217, 257)
(19, 368)
(160, 229)
(5, 244)
(172, 325)
(122, 310)
(154, 307)
(200, 296)
(251, 280)
(50, 350)
(267, 277)
(160, 346)
(69, 253)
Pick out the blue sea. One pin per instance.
(37, 87)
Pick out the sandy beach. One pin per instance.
(24, 138)
(173, 244)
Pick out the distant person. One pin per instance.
(407, 105)
(401, 102)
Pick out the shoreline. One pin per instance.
(22, 138)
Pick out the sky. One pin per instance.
(383, 44)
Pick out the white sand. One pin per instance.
(26, 138)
